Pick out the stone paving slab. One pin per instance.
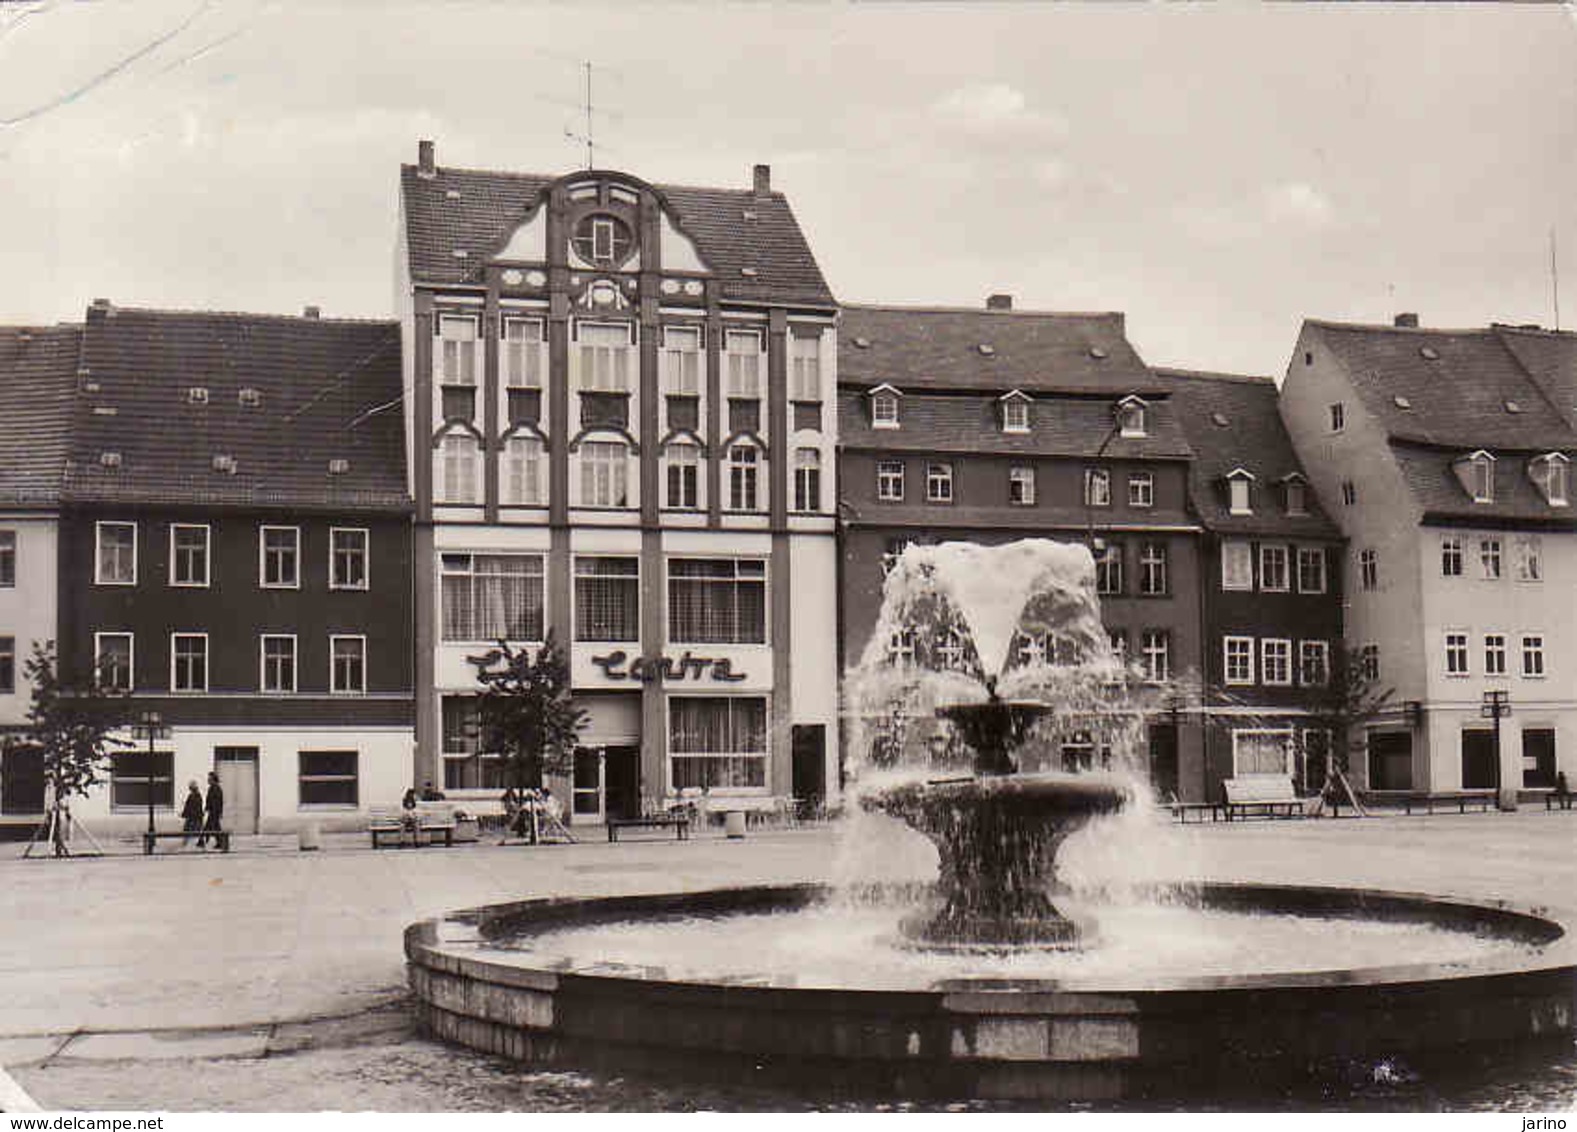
(165, 1045)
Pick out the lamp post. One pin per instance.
(1496, 706)
(150, 726)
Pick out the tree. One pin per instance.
(525, 712)
(69, 727)
(1351, 699)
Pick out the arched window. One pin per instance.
(683, 475)
(604, 473)
(522, 479)
(744, 468)
(459, 478)
(807, 479)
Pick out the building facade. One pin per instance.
(1444, 457)
(1271, 574)
(622, 433)
(992, 424)
(234, 555)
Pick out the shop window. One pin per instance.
(135, 776)
(493, 597)
(607, 599)
(717, 601)
(328, 779)
(718, 742)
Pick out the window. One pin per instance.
(466, 765)
(188, 662)
(188, 554)
(459, 468)
(1527, 549)
(522, 353)
(1238, 501)
(900, 648)
(116, 554)
(604, 473)
(1451, 556)
(1156, 654)
(1550, 475)
(1533, 654)
(1152, 568)
(347, 558)
(604, 357)
(1311, 570)
(1476, 474)
(804, 368)
(717, 601)
(1349, 493)
(684, 476)
(280, 551)
(744, 363)
(1489, 558)
(522, 471)
(1130, 417)
(113, 653)
(1275, 661)
(347, 664)
(743, 473)
(492, 597)
(602, 239)
(1297, 498)
(607, 599)
(889, 480)
(457, 354)
(7, 665)
(1118, 639)
(1273, 568)
(1015, 414)
(1369, 569)
(136, 777)
(1257, 751)
(278, 663)
(327, 778)
(1237, 565)
(1021, 486)
(682, 360)
(1456, 654)
(807, 479)
(1314, 663)
(1109, 569)
(7, 559)
(1238, 655)
(1369, 661)
(948, 652)
(939, 483)
(1338, 414)
(884, 409)
(1494, 654)
(1097, 487)
(1141, 489)
(718, 741)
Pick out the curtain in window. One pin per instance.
(716, 601)
(605, 358)
(523, 470)
(1262, 752)
(604, 474)
(607, 599)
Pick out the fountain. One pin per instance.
(984, 706)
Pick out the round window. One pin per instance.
(604, 239)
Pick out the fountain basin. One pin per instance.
(993, 1037)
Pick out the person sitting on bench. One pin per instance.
(1563, 794)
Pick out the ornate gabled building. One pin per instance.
(993, 424)
(621, 425)
(1444, 456)
(1271, 573)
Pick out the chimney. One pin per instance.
(763, 183)
(311, 312)
(425, 163)
(999, 302)
(99, 310)
(1406, 319)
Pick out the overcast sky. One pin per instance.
(1216, 172)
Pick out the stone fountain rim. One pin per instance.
(460, 938)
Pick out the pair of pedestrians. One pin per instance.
(201, 816)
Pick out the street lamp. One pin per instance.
(150, 726)
(1496, 706)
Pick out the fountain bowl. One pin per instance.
(1016, 1039)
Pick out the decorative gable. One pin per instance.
(679, 251)
(529, 241)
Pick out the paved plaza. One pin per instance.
(119, 963)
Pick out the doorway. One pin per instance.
(22, 781)
(1480, 766)
(1390, 760)
(586, 786)
(621, 782)
(1163, 760)
(237, 767)
(1538, 756)
(809, 767)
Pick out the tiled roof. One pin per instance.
(964, 422)
(38, 369)
(1433, 482)
(486, 207)
(1550, 356)
(1457, 398)
(326, 390)
(914, 348)
(1233, 422)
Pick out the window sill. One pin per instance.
(349, 589)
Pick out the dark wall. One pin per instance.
(982, 481)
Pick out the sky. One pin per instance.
(1217, 172)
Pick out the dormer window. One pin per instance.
(1015, 412)
(1549, 474)
(1476, 473)
(1296, 495)
(1239, 502)
(603, 240)
(1130, 416)
(884, 407)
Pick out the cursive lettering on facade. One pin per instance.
(618, 665)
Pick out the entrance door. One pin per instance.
(237, 767)
(1390, 760)
(1480, 767)
(809, 767)
(621, 782)
(1163, 760)
(22, 781)
(587, 802)
(1538, 756)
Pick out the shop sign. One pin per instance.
(618, 665)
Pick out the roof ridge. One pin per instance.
(1331, 324)
(934, 309)
(1213, 375)
(273, 315)
(745, 191)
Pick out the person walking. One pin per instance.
(192, 812)
(216, 809)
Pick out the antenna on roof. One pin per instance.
(588, 136)
(1555, 280)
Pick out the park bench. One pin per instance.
(1181, 810)
(1428, 799)
(1262, 795)
(679, 822)
(1558, 800)
(429, 819)
(220, 838)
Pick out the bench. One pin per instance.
(679, 823)
(220, 837)
(1428, 799)
(1552, 800)
(1262, 795)
(1181, 810)
(387, 821)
